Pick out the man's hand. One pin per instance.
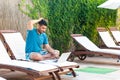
(32, 22)
(40, 19)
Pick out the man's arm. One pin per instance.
(53, 52)
(31, 23)
(49, 48)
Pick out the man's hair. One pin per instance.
(42, 22)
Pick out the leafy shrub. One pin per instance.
(70, 16)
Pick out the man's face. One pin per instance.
(41, 28)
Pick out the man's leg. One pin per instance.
(36, 56)
(48, 55)
(39, 57)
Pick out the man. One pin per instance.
(37, 41)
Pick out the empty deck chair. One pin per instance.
(33, 72)
(16, 44)
(107, 38)
(91, 48)
(116, 34)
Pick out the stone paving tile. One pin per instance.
(102, 62)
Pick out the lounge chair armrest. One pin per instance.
(76, 35)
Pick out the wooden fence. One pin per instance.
(11, 17)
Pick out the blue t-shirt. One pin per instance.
(35, 41)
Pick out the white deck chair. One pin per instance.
(107, 38)
(33, 72)
(91, 48)
(116, 34)
(1, 78)
(16, 43)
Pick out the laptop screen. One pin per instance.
(64, 57)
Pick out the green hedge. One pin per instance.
(71, 16)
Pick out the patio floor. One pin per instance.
(94, 62)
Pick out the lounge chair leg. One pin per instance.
(118, 59)
(53, 77)
(57, 75)
(82, 56)
(71, 57)
(73, 72)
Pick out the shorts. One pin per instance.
(43, 52)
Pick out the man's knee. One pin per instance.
(36, 56)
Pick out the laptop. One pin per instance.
(62, 58)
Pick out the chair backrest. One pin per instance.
(106, 37)
(86, 43)
(116, 33)
(16, 44)
(3, 53)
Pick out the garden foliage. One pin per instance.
(70, 16)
